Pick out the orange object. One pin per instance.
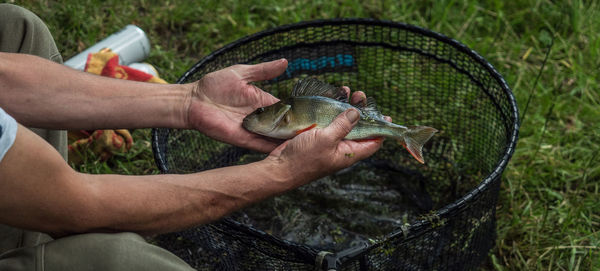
(106, 63)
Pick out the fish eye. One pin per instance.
(260, 110)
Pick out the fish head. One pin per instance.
(265, 119)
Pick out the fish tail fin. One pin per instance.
(414, 138)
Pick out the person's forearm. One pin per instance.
(40, 93)
(164, 203)
(39, 191)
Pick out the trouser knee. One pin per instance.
(115, 244)
(21, 31)
(110, 252)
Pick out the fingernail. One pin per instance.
(352, 115)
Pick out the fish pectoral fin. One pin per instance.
(306, 129)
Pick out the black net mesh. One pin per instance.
(388, 212)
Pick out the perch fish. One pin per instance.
(314, 104)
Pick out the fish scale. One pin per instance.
(323, 110)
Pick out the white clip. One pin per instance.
(319, 259)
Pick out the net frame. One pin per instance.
(359, 258)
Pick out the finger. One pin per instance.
(347, 91)
(277, 150)
(263, 71)
(266, 98)
(359, 98)
(365, 149)
(387, 118)
(263, 144)
(342, 125)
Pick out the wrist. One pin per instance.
(280, 172)
(290, 172)
(182, 110)
(156, 105)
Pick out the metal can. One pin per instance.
(130, 43)
(145, 67)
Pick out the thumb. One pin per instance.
(265, 70)
(342, 125)
(277, 151)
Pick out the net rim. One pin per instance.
(417, 227)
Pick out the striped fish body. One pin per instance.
(307, 112)
(315, 104)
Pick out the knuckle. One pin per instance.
(263, 69)
(342, 126)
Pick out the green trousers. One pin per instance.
(21, 31)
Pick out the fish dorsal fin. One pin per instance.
(371, 103)
(315, 87)
(371, 109)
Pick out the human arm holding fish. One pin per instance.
(43, 94)
(36, 181)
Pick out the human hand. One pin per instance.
(320, 152)
(222, 99)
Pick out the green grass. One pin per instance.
(548, 214)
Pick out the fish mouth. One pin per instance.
(246, 124)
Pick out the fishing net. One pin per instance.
(387, 212)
